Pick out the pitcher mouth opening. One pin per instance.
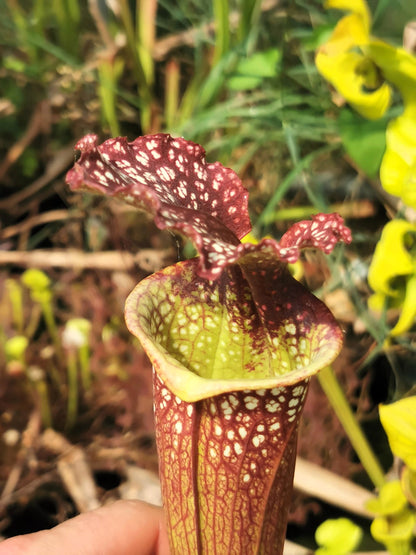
(202, 345)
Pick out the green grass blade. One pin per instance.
(302, 165)
(222, 29)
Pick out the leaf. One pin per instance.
(243, 82)
(250, 72)
(317, 37)
(364, 140)
(260, 64)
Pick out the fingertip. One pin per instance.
(15, 546)
(122, 528)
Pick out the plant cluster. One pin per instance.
(68, 349)
(365, 70)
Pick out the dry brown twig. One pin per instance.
(28, 439)
(189, 37)
(74, 470)
(39, 219)
(56, 166)
(38, 123)
(147, 259)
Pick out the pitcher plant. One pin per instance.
(233, 338)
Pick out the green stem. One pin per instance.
(107, 90)
(248, 24)
(84, 362)
(336, 397)
(398, 547)
(45, 409)
(345, 209)
(146, 31)
(222, 29)
(302, 165)
(144, 88)
(67, 15)
(16, 299)
(72, 404)
(171, 93)
(37, 378)
(52, 327)
(53, 373)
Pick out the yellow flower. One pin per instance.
(362, 69)
(392, 274)
(343, 61)
(395, 532)
(399, 423)
(398, 168)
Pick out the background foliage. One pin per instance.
(239, 77)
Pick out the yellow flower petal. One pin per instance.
(353, 74)
(399, 423)
(345, 72)
(377, 302)
(349, 32)
(392, 273)
(395, 533)
(398, 167)
(391, 500)
(408, 313)
(358, 7)
(391, 257)
(398, 66)
(408, 481)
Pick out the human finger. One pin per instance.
(122, 528)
